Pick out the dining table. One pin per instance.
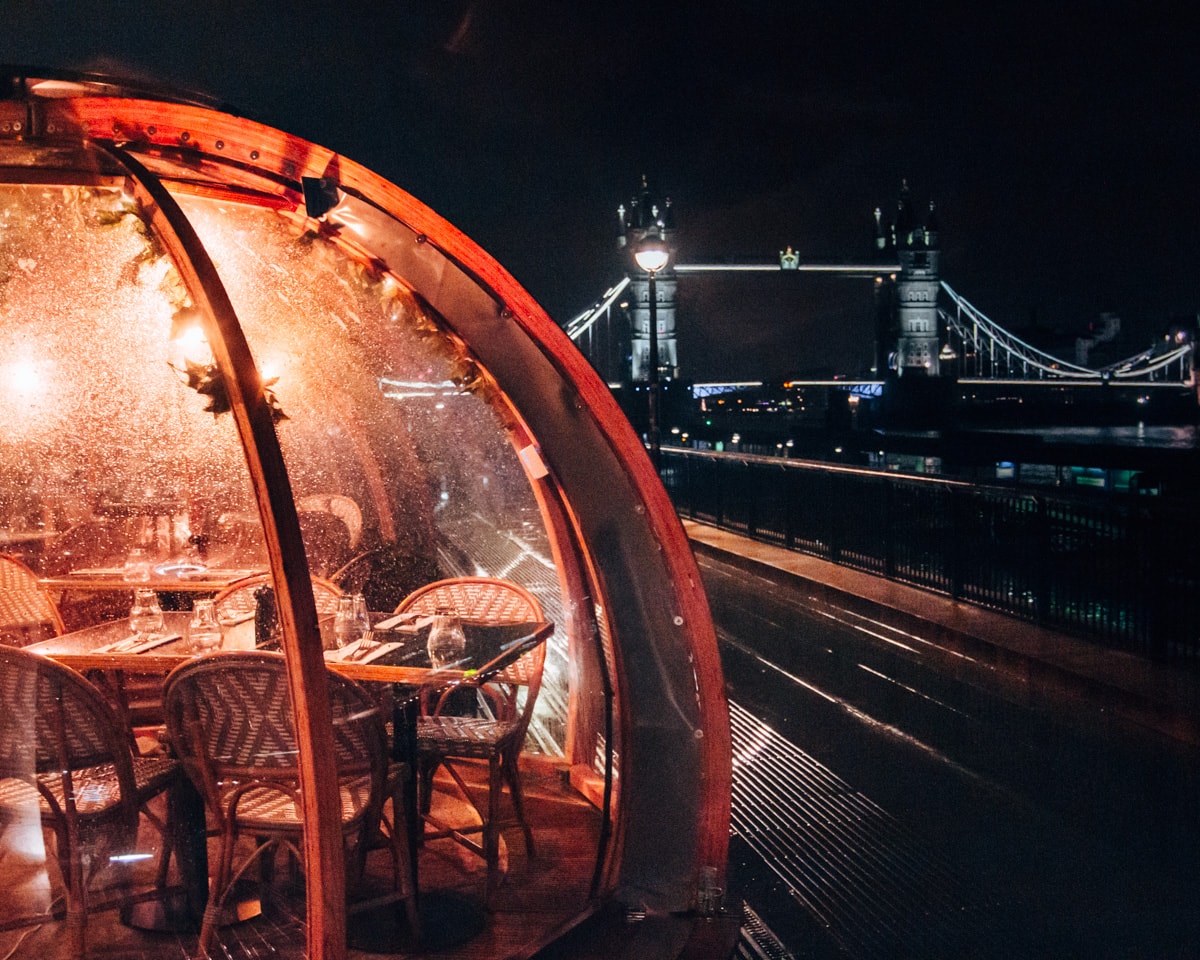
(167, 578)
(395, 652)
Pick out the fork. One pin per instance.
(366, 645)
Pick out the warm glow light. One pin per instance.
(23, 377)
(193, 345)
(652, 254)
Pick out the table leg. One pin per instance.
(405, 709)
(188, 837)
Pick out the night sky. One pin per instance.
(1059, 141)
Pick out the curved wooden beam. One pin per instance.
(325, 875)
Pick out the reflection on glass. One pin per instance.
(107, 449)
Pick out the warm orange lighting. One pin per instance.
(22, 377)
(192, 345)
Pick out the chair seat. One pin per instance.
(464, 736)
(268, 806)
(97, 789)
(54, 721)
(443, 738)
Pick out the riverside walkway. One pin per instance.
(916, 777)
(1046, 666)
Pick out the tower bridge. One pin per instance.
(930, 330)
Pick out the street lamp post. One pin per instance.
(652, 255)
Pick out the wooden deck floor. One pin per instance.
(537, 897)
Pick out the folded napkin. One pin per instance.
(404, 623)
(361, 651)
(132, 644)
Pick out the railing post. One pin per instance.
(833, 535)
(1041, 561)
(954, 552)
(690, 481)
(718, 477)
(889, 528)
(751, 489)
(789, 531)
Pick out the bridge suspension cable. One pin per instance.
(578, 325)
(989, 352)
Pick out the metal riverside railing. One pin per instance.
(1122, 570)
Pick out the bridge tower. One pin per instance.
(649, 213)
(916, 247)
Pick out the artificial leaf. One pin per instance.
(208, 381)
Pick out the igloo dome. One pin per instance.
(236, 367)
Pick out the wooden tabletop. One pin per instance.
(489, 646)
(8, 537)
(106, 579)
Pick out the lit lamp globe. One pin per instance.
(652, 254)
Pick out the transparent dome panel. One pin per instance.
(393, 438)
(108, 447)
(398, 447)
(113, 476)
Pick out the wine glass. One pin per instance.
(447, 643)
(359, 616)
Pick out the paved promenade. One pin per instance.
(1040, 665)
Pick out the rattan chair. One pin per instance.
(63, 753)
(230, 719)
(27, 613)
(237, 600)
(446, 740)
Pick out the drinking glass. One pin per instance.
(344, 628)
(137, 566)
(145, 616)
(359, 616)
(447, 643)
(204, 632)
